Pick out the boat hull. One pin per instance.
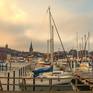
(49, 81)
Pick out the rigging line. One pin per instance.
(58, 35)
(60, 40)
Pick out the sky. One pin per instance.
(26, 21)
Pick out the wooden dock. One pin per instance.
(48, 92)
(86, 78)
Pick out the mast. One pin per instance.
(51, 37)
(88, 43)
(85, 41)
(76, 52)
(82, 47)
(48, 44)
(82, 44)
(54, 24)
(52, 44)
(77, 44)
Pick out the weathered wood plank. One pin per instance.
(49, 92)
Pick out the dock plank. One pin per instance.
(50, 92)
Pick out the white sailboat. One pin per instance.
(43, 75)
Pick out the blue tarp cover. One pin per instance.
(42, 70)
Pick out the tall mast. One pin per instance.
(48, 46)
(51, 37)
(88, 43)
(52, 44)
(82, 43)
(82, 47)
(54, 24)
(85, 41)
(77, 43)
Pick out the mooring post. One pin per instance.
(19, 76)
(13, 80)
(50, 84)
(33, 82)
(24, 84)
(1, 88)
(76, 84)
(8, 81)
(25, 71)
(21, 71)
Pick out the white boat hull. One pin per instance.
(52, 79)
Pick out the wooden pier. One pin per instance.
(85, 79)
(46, 92)
(21, 80)
(51, 90)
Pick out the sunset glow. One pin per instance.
(23, 21)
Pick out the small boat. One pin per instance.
(45, 74)
(86, 66)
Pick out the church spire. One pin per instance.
(31, 48)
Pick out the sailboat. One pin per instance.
(42, 75)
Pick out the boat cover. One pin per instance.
(42, 70)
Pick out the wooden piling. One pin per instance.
(13, 80)
(24, 84)
(33, 83)
(1, 88)
(23, 71)
(8, 81)
(50, 84)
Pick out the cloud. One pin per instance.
(26, 20)
(13, 23)
(68, 24)
(10, 12)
